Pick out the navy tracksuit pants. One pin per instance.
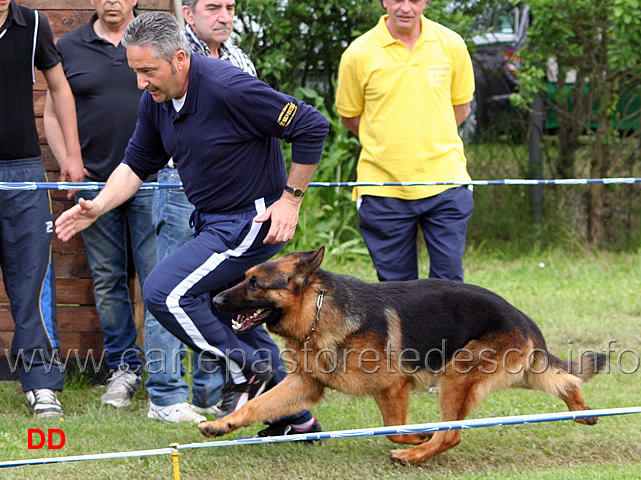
(26, 227)
(179, 290)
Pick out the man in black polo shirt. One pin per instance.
(26, 220)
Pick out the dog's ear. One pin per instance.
(311, 261)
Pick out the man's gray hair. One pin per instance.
(159, 30)
(190, 3)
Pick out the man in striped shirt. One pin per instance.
(209, 28)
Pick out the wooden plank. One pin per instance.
(86, 4)
(71, 265)
(78, 318)
(70, 343)
(74, 291)
(75, 246)
(70, 319)
(82, 342)
(40, 126)
(5, 342)
(58, 4)
(48, 160)
(39, 102)
(63, 21)
(41, 83)
(78, 291)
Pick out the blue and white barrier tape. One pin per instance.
(155, 185)
(360, 432)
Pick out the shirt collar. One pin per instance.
(15, 16)
(192, 88)
(385, 37)
(89, 34)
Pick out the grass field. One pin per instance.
(580, 302)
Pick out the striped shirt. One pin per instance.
(227, 51)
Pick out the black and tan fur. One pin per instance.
(475, 343)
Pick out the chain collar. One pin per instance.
(319, 305)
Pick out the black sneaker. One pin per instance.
(277, 430)
(235, 395)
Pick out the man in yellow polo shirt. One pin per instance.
(403, 88)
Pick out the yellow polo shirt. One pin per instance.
(405, 99)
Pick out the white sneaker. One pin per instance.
(176, 413)
(213, 410)
(43, 402)
(120, 388)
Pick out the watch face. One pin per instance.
(296, 192)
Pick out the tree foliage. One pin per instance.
(299, 44)
(598, 43)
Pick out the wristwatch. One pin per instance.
(297, 192)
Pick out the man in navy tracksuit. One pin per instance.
(222, 128)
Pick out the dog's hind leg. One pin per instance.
(557, 380)
(574, 400)
(459, 394)
(393, 402)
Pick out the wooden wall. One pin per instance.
(78, 322)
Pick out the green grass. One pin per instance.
(587, 300)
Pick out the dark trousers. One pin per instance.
(390, 225)
(26, 227)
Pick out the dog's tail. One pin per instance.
(555, 376)
(588, 365)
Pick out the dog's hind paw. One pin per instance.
(587, 420)
(215, 428)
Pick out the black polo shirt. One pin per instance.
(106, 95)
(19, 54)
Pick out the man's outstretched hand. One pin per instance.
(77, 218)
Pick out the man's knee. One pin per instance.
(153, 296)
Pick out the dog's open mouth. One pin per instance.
(248, 320)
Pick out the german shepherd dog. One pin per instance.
(386, 338)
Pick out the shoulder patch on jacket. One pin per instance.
(287, 114)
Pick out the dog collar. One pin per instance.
(319, 305)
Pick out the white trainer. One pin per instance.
(213, 410)
(176, 413)
(43, 402)
(120, 388)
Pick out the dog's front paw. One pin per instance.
(406, 456)
(216, 428)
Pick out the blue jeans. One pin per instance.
(106, 244)
(389, 227)
(171, 215)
